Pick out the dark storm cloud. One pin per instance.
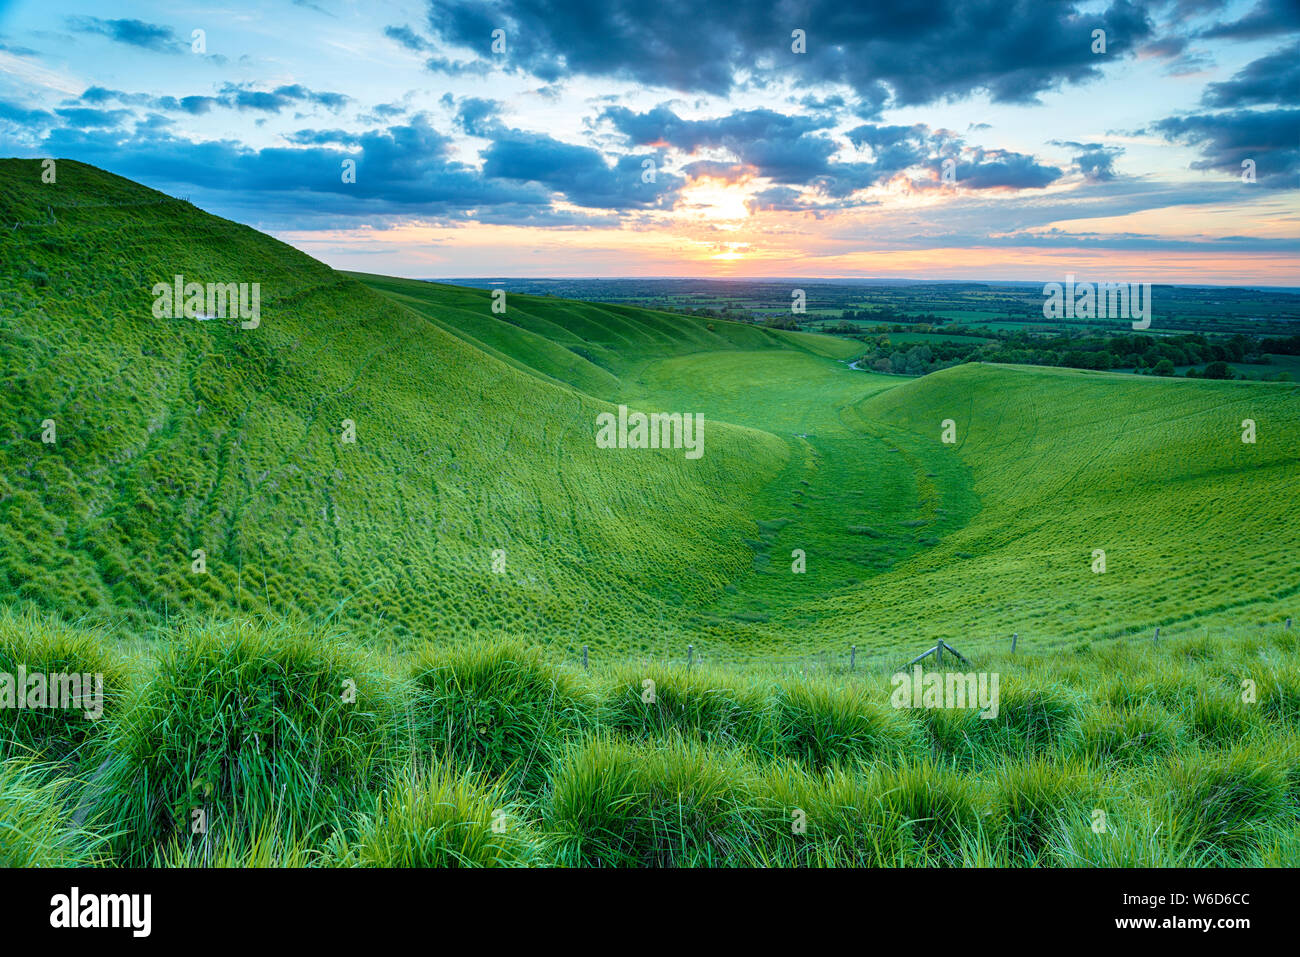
(437, 64)
(579, 172)
(895, 149)
(778, 198)
(194, 105)
(798, 150)
(476, 116)
(135, 33)
(93, 119)
(1271, 138)
(404, 170)
(385, 111)
(895, 54)
(400, 170)
(322, 137)
(1267, 18)
(1274, 78)
(1003, 169)
(788, 149)
(1166, 47)
(241, 97)
(23, 117)
(662, 126)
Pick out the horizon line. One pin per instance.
(825, 279)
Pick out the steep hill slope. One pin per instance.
(171, 435)
(596, 347)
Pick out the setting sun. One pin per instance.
(716, 200)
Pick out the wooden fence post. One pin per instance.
(853, 653)
(938, 653)
(1013, 642)
(1288, 624)
(690, 655)
(1156, 639)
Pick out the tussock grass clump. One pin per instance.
(1289, 748)
(500, 709)
(1220, 804)
(1278, 692)
(36, 825)
(1173, 688)
(1194, 648)
(1282, 849)
(938, 807)
(700, 703)
(1037, 802)
(1219, 717)
(1032, 717)
(1127, 735)
(45, 646)
(301, 752)
(622, 805)
(257, 727)
(1039, 717)
(440, 819)
(835, 819)
(823, 725)
(268, 848)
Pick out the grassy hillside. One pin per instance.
(1198, 527)
(595, 347)
(129, 441)
(474, 433)
(173, 435)
(908, 538)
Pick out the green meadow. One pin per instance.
(339, 572)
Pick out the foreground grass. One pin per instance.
(249, 743)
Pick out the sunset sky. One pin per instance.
(767, 162)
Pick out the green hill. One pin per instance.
(908, 538)
(173, 435)
(129, 440)
(475, 433)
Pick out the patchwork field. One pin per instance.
(390, 487)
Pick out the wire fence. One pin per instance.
(851, 657)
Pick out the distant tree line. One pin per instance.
(886, 315)
(1151, 355)
(1143, 354)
